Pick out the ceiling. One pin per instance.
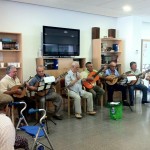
(112, 8)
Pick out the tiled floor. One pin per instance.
(99, 132)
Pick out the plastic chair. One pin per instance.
(135, 92)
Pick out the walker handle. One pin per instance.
(32, 110)
(15, 103)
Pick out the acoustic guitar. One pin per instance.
(112, 79)
(22, 88)
(45, 91)
(89, 84)
(137, 77)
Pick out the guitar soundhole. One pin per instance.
(21, 88)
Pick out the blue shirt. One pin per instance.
(109, 72)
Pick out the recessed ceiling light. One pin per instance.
(127, 8)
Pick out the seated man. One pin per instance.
(50, 95)
(138, 85)
(148, 79)
(74, 83)
(7, 84)
(93, 88)
(116, 86)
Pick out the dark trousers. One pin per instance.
(116, 87)
(30, 104)
(97, 92)
(141, 87)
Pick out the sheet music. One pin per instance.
(48, 86)
(49, 79)
(40, 88)
(41, 83)
(131, 78)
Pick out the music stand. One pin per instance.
(44, 86)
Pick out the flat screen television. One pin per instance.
(61, 42)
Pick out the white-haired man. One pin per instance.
(74, 83)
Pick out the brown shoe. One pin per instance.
(91, 112)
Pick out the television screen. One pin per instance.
(61, 41)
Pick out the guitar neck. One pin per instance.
(98, 72)
(137, 76)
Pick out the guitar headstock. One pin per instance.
(147, 71)
(62, 75)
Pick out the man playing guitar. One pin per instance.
(115, 87)
(11, 80)
(138, 85)
(50, 95)
(95, 89)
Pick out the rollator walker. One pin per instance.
(36, 131)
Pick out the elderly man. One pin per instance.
(112, 71)
(48, 95)
(74, 83)
(7, 84)
(94, 82)
(7, 130)
(137, 84)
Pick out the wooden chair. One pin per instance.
(101, 100)
(64, 93)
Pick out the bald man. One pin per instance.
(115, 87)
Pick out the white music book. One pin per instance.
(49, 79)
(131, 78)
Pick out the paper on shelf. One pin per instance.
(49, 79)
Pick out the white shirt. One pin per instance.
(77, 87)
(7, 133)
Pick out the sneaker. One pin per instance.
(91, 112)
(78, 116)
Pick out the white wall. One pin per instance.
(130, 31)
(29, 19)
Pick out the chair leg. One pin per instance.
(101, 101)
(85, 110)
(68, 106)
(135, 97)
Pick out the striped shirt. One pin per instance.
(7, 133)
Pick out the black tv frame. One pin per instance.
(62, 42)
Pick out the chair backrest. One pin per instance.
(63, 88)
(62, 83)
